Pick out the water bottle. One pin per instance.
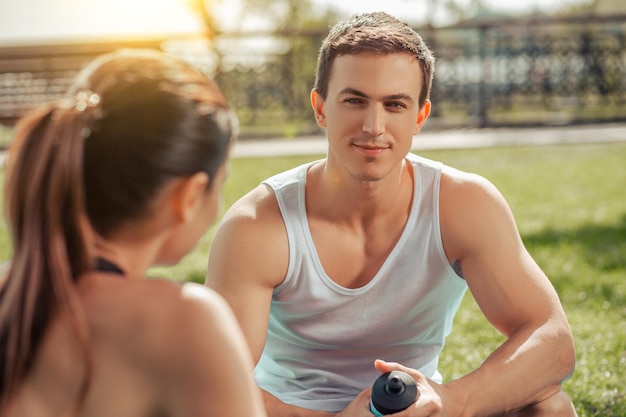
(392, 392)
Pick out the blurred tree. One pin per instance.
(609, 6)
(285, 15)
(202, 8)
(278, 15)
(597, 7)
(272, 89)
(457, 12)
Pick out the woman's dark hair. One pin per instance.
(132, 121)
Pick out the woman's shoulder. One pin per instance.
(150, 315)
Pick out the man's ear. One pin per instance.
(317, 102)
(422, 115)
(188, 194)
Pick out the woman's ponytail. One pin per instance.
(44, 205)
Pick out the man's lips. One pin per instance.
(370, 150)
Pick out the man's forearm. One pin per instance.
(527, 368)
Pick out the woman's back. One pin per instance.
(124, 173)
(152, 353)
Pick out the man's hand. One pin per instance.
(430, 400)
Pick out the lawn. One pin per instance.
(570, 206)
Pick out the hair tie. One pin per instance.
(82, 101)
(85, 99)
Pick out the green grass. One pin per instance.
(5, 136)
(570, 205)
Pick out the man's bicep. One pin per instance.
(508, 285)
(234, 272)
(514, 296)
(229, 255)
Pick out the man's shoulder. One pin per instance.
(253, 219)
(258, 204)
(261, 203)
(456, 180)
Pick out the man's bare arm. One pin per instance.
(249, 256)
(515, 296)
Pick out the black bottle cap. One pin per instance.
(393, 391)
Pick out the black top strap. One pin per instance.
(104, 265)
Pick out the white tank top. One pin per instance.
(323, 338)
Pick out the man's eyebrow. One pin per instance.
(399, 96)
(358, 93)
(352, 92)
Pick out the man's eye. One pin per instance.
(396, 105)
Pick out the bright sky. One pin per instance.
(40, 21)
(26, 21)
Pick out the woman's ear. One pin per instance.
(188, 194)
(317, 102)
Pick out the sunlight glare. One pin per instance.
(142, 17)
(97, 19)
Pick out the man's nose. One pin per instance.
(374, 122)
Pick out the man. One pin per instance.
(367, 253)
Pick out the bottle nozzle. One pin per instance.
(392, 392)
(395, 385)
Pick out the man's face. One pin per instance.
(371, 112)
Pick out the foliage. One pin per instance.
(271, 89)
(597, 7)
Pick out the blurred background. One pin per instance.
(531, 63)
(527, 71)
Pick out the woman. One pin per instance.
(123, 174)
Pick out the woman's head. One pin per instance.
(142, 118)
(133, 123)
(156, 119)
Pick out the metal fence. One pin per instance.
(32, 76)
(489, 73)
(512, 72)
(533, 71)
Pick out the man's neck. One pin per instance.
(333, 193)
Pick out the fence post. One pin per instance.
(483, 99)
